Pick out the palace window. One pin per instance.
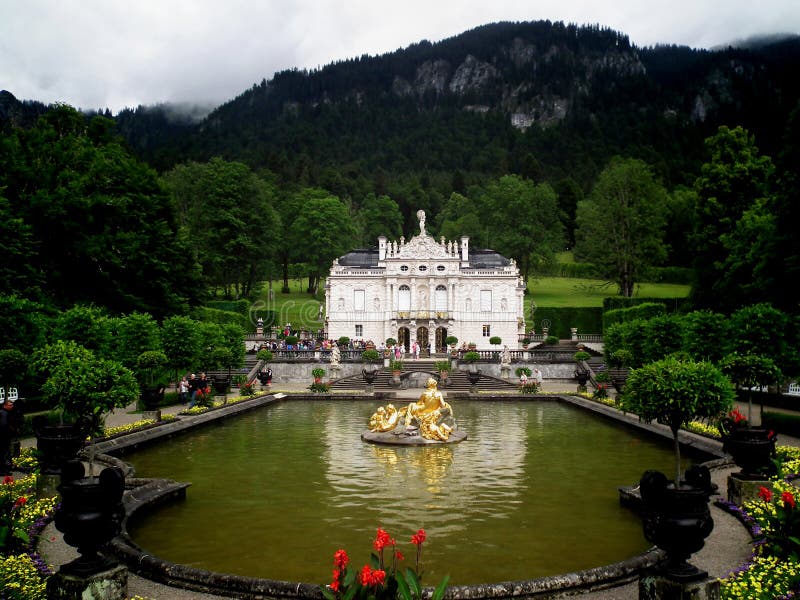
(440, 268)
(358, 300)
(404, 298)
(486, 300)
(441, 298)
(487, 331)
(404, 268)
(422, 268)
(359, 331)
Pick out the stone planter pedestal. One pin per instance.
(743, 489)
(659, 587)
(111, 584)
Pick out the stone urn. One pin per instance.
(474, 376)
(369, 375)
(89, 515)
(677, 519)
(57, 444)
(152, 397)
(752, 449)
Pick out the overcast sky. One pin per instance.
(117, 54)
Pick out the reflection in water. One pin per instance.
(531, 492)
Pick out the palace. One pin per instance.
(425, 291)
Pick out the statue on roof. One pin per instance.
(421, 217)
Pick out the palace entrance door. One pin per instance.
(422, 339)
(441, 336)
(402, 337)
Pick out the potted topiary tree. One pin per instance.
(752, 448)
(370, 371)
(581, 373)
(81, 388)
(443, 368)
(451, 341)
(674, 392)
(471, 357)
(152, 373)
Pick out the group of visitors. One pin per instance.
(194, 388)
(536, 377)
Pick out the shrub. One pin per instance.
(343, 341)
(391, 341)
(318, 373)
(471, 357)
(451, 340)
(370, 355)
(581, 355)
(495, 341)
(520, 370)
(265, 355)
(442, 365)
(396, 365)
(551, 340)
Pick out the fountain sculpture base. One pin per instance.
(403, 439)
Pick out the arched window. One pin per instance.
(441, 298)
(404, 298)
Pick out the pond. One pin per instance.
(532, 492)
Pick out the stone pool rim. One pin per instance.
(144, 493)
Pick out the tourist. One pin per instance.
(10, 421)
(537, 376)
(523, 378)
(194, 385)
(183, 390)
(415, 350)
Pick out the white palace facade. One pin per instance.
(425, 290)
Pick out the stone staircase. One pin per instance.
(414, 374)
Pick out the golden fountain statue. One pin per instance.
(430, 418)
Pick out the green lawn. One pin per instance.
(300, 309)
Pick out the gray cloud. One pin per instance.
(116, 54)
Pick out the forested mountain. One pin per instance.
(541, 99)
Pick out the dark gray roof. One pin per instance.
(478, 258)
(361, 257)
(486, 259)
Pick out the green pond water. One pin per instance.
(275, 492)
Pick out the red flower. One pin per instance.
(788, 499)
(737, 416)
(399, 555)
(382, 539)
(20, 501)
(765, 494)
(8, 479)
(340, 559)
(377, 577)
(418, 537)
(335, 583)
(364, 576)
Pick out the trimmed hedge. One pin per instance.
(241, 307)
(782, 423)
(586, 319)
(221, 317)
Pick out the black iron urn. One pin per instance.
(90, 514)
(677, 519)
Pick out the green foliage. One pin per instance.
(675, 392)
(562, 319)
(643, 310)
(581, 355)
(728, 250)
(133, 334)
(551, 340)
(396, 365)
(391, 341)
(241, 306)
(318, 373)
(495, 340)
(81, 386)
(529, 387)
(87, 325)
(100, 226)
(151, 369)
(442, 365)
(291, 340)
(13, 368)
(451, 340)
(181, 341)
(520, 370)
(226, 212)
(213, 315)
(265, 355)
(370, 355)
(22, 323)
(471, 357)
(620, 226)
(343, 341)
(319, 387)
(704, 335)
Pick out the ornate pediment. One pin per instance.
(422, 246)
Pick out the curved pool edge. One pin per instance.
(222, 584)
(146, 493)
